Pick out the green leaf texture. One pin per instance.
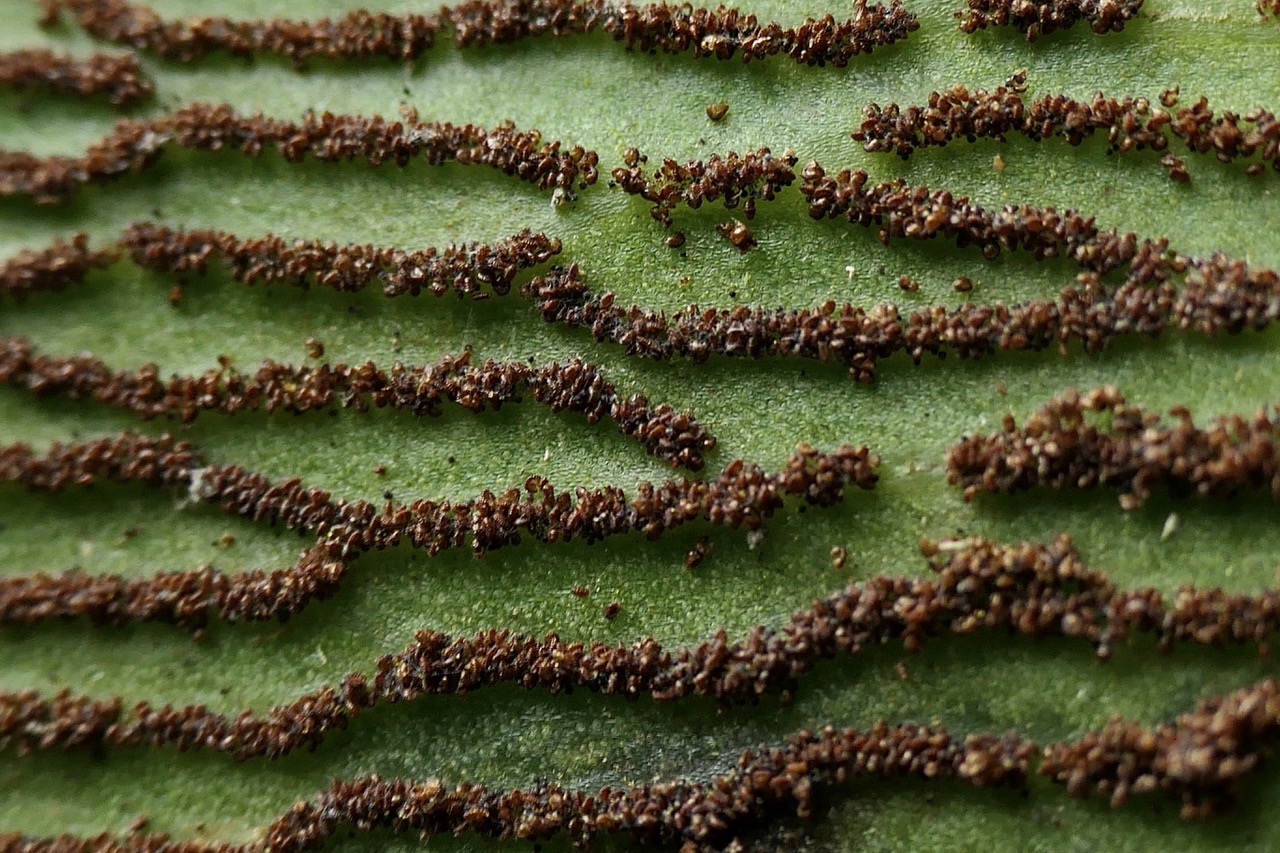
(590, 91)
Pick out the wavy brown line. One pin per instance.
(1043, 17)
(474, 270)
(741, 495)
(1128, 124)
(1030, 589)
(721, 32)
(1219, 297)
(675, 437)
(1063, 446)
(136, 144)
(120, 78)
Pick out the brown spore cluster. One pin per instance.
(474, 270)
(898, 210)
(1037, 18)
(577, 386)
(742, 495)
(1219, 296)
(119, 77)
(133, 145)
(1099, 439)
(1127, 123)
(734, 180)
(55, 268)
(722, 32)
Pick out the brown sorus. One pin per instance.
(315, 348)
(1036, 19)
(675, 240)
(734, 180)
(120, 78)
(722, 33)
(611, 610)
(963, 284)
(909, 284)
(581, 592)
(52, 269)
(1127, 123)
(738, 234)
(135, 144)
(466, 270)
(676, 437)
(1219, 296)
(1060, 447)
(716, 112)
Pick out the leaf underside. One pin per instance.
(590, 91)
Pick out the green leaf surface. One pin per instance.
(590, 91)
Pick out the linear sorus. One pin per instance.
(1219, 296)
(733, 179)
(901, 211)
(1197, 760)
(476, 270)
(54, 268)
(1127, 123)
(1062, 446)
(1038, 18)
(120, 77)
(135, 144)
(1032, 589)
(742, 495)
(670, 28)
(577, 386)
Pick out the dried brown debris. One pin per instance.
(1095, 439)
(577, 386)
(742, 495)
(733, 180)
(52, 269)
(721, 32)
(135, 144)
(1037, 18)
(1128, 124)
(476, 270)
(1269, 8)
(119, 77)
